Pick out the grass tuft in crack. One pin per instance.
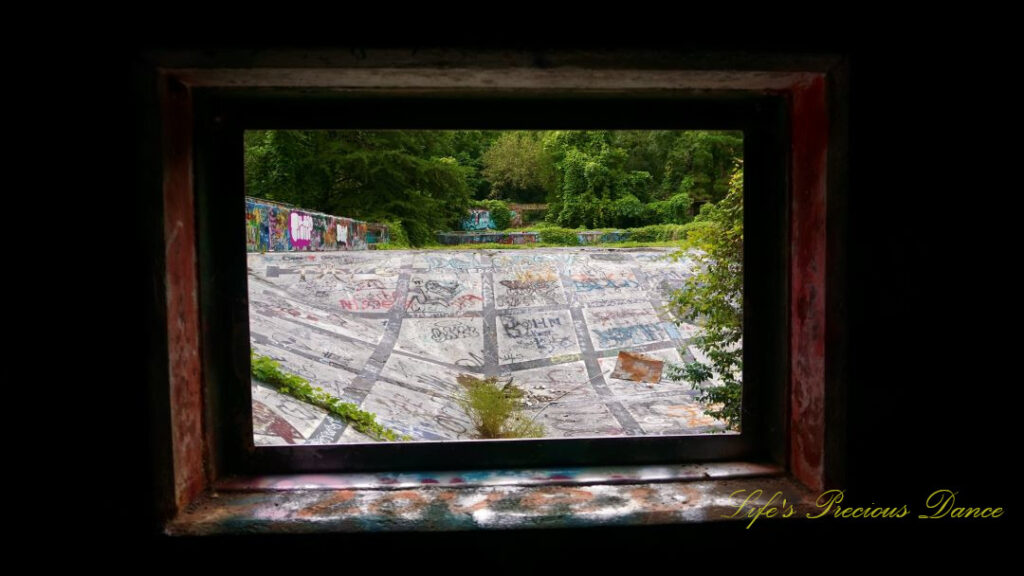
(496, 408)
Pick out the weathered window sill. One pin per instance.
(474, 500)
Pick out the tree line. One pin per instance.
(428, 179)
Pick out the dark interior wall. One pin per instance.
(931, 309)
(931, 301)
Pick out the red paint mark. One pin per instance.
(428, 481)
(184, 369)
(464, 300)
(265, 421)
(387, 480)
(456, 480)
(807, 304)
(311, 317)
(559, 477)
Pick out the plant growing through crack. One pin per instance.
(496, 408)
(266, 370)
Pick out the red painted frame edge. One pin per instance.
(809, 188)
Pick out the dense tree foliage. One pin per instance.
(409, 176)
(634, 178)
(518, 168)
(469, 149)
(427, 179)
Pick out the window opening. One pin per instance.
(445, 285)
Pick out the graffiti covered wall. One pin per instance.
(584, 237)
(273, 227)
(257, 227)
(449, 238)
(479, 219)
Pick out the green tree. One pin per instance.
(469, 147)
(713, 298)
(394, 175)
(591, 177)
(699, 164)
(518, 168)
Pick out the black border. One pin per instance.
(221, 116)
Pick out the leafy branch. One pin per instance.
(713, 298)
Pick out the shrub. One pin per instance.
(659, 233)
(496, 409)
(534, 217)
(419, 233)
(559, 236)
(397, 237)
(541, 224)
(675, 210)
(629, 211)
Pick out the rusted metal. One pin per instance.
(807, 303)
(183, 343)
(638, 367)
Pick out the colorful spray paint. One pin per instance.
(479, 219)
(273, 227)
(257, 230)
(449, 238)
(585, 237)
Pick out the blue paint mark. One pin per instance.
(672, 331)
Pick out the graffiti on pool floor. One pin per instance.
(608, 282)
(541, 317)
(434, 262)
(441, 296)
(266, 423)
(623, 336)
(535, 336)
(378, 300)
(443, 332)
(530, 288)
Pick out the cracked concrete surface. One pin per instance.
(391, 331)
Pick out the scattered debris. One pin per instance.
(638, 367)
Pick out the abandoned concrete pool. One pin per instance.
(391, 330)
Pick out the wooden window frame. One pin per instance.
(811, 405)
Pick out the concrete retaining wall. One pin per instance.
(449, 238)
(275, 227)
(585, 237)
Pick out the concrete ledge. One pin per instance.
(495, 500)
